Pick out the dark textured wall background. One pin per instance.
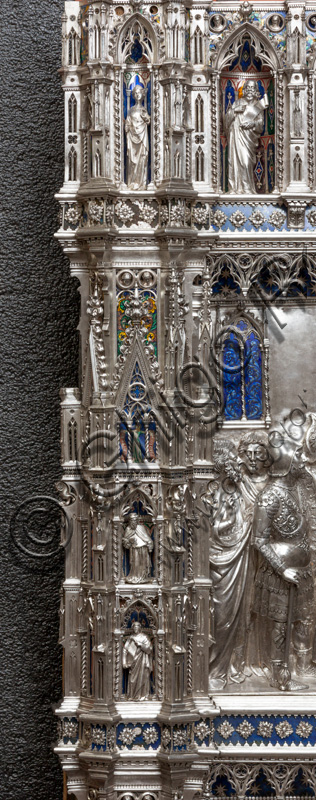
(39, 316)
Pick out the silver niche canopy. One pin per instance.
(188, 214)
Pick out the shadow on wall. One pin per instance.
(39, 316)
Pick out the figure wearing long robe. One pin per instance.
(228, 555)
(139, 543)
(231, 562)
(255, 459)
(137, 658)
(250, 488)
(244, 122)
(136, 129)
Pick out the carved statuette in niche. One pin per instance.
(244, 122)
(136, 129)
(137, 659)
(139, 543)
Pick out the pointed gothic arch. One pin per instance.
(72, 114)
(197, 43)
(137, 428)
(137, 30)
(136, 421)
(136, 605)
(199, 114)
(136, 352)
(228, 49)
(73, 47)
(199, 165)
(72, 440)
(100, 569)
(72, 165)
(138, 495)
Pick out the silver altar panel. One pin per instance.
(188, 213)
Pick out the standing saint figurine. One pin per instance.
(138, 541)
(137, 658)
(244, 122)
(136, 126)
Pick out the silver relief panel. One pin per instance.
(188, 213)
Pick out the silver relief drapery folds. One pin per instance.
(188, 213)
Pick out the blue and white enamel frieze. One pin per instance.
(223, 731)
(188, 214)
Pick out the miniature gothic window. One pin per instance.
(72, 47)
(199, 114)
(199, 165)
(166, 109)
(100, 569)
(242, 373)
(198, 46)
(175, 42)
(100, 678)
(72, 165)
(72, 114)
(97, 164)
(297, 168)
(247, 155)
(177, 164)
(97, 36)
(72, 440)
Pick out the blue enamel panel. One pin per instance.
(253, 377)
(232, 378)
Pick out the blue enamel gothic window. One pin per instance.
(242, 373)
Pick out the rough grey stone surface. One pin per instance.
(39, 354)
